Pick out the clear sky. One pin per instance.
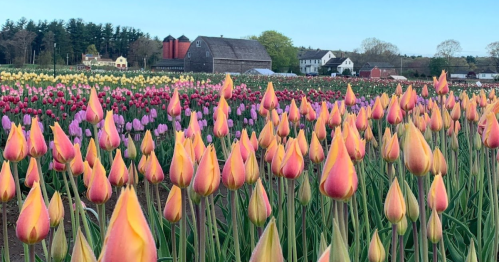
(415, 27)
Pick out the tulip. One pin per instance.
(377, 111)
(324, 112)
(294, 113)
(118, 175)
(368, 135)
(32, 174)
(302, 142)
(59, 248)
(91, 156)
(283, 127)
(233, 173)
(245, 145)
(446, 118)
(339, 251)
(398, 90)
(181, 167)
(153, 170)
(193, 126)
(408, 101)
(437, 196)
(221, 127)
(56, 210)
(336, 146)
(254, 141)
(490, 135)
(262, 111)
(320, 129)
(269, 99)
(417, 153)
(356, 147)
(349, 96)
(7, 184)
(268, 247)
(471, 253)
(436, 122)
(36, 142)
(259, 208)
(173, 206)
(439, 165)
(394, 112)
(324, 257)
(266, 135)
(33, 223)
(434, 228)
(131, 149)
(277, 160)
(334, 119)
(395, 208)
(109, 139)
(76, 164)
(304, 191)
(147, 145)
(402, 226)
(180, 136)
(199, 147)
(271, 150)
(304, 106)
(316, 152)
(174, 106)
(376, 251)
(391, 149)
(471, 112)
(361, 123)
(94, 112)
(274, 117)
(63, 151)
(99, 189)
(311, 114)
(128, 236)
(292, 163)
(222, 106)
(207, 178)
(228, 86)
(251, 169)
(16, 148)
(424, 92)
(82, 252)
(441, 86)
(87, 173)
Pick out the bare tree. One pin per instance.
(493, 50)
(23, 40)
(143, 49)
(448, 49)
(374, 50)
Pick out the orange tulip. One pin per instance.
(324, 112)
(259, 208)
(283, 127)
(245, 145)
(251, 169)
(99, 189)
(276, 162)
(56, 210)
(76, 164)
(482, 101)
(376, 251)
(424, 92)
(36, 142)
(394, 203)
(311, 114)
(492, 94)
(292, 162)
(490, 135)
(128, 237)
(335, 147)
(391, 149)
(408, 100)
(394, 112)
(350, 96)
(82, 250)
(451, 101)
(189, 149)
(446, 118)
(59, 167)
(262, 111)
(439, 165)
(94, 112)
(154, 173)
(356, 147)
(87, 173)
(268, 247)
(199, 148)
(294, 113)
(441, 86)
(16, 148)
(7, 184)
(227, 87)
(304, 106)
(63, 151)
(254, 141)
(368, 135)
(377, 112)
(33, 223)
(398, 90)
(174, 107)
(233, 173)
(275, 118)
(320, 129)
(302, 142)
(269, 99)
(181, 167)
(207, 178)
(437, 196)
(324, 257)
(266, 135)
(316, 152)
(434, 228)
(271, 150)
(385, 100)
(147, 145)
(221, 127)
(32, 174)
(109, 139)
(173, 206)
(142, 164)
(118, 175)
(334, 119)
(180, 136)
(193, 126)
(417, 153)
(436, 122)
(91, 156)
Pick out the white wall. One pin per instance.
(459, 76)
(486, 76)
(313, 65)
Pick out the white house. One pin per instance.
(121, 62)
(339, 64)
(312, 61)
(487, 74)
(461, 74)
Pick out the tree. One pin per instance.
(143, 49)
(375, 50)
(91, 49)
(448, 49)
(493, 50)
(437, 64)
(280, 49)
(23, 40)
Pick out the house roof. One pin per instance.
(396, 77)
(370, 65)
(334, 62)
(236, 49)
(314, 54)
(489, 71)
(169, 63)
(168, 38)
(260, 71)
(460, 72)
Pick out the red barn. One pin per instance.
(174, 51)
(377, 70)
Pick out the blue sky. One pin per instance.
(415, 27)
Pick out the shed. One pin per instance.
(259, 71)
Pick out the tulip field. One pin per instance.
(205, 167)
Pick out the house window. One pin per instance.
(198, 43)
(483, 75)
(207, 53)
(189, 54)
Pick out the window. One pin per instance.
(198, 43)
(189, 54)
(207, 53)
(483, 75)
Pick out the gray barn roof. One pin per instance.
(370, 65)
(335, 61)
(314, 54)
(236, 49)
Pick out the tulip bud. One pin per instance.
(441, 86)
(391, 149)
(304, 106)
(36, 142)
(82, 250)
(59, 244)
(195, 197)
(322, 245)
(233, 173)
(320, 129)
(434, 227)
(131, 149)
(339, 252)
(398, 90)
(173, 206)
(109, 139)
(28, 230)
(334, 118)
(412, 204)
(292, 162)
(56, 210)
(181, 167)
(439, 165)
(154, 172)
(207, 178)
(76, 164)
(118, 175)
(266, 135)
(7, 184)
(417, 152)
(174, 107)
(377, 111)
(304, 191)
(324, 255)
(350, 96)
(94, 112)
(87, 174)
(193, 127)
(16, 148)
(424, 92)
(402, 226)
(259, 208)
(99, 189)
(454, 143)
(142, 164)
(254, 141)
(395, 208)
(302, 142)
(283, 127)
(91, 153)
(471, 253)
(275, 165)
(268, 247)
(294, 113)
(376, 251)
(32, 174)
(437, 196)
(221, 127)
(199, 148)
(147, 145)
(316, 152)
(269, 99)
(251, 169)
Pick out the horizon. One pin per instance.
(399, 28)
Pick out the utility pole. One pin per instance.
(55, 44)
(401, 65)
(34, 57)
(67, 59)
(145, 62)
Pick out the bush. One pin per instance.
(347, 72)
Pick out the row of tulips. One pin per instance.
(303, 162)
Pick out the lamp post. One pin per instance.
(55, 44)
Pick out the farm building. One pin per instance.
(460, 74)
(312, 61)
(339, 64)
(220, 55)
(487, 74)
(377, 70)
(174, 51)
(259, 71)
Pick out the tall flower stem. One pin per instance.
(209, 224)
(158, 200)
(31, 249)
(149, 206)
(6, 255)
(42, 181)
(442, 245)
(51, 239)
(363, 178)
(422, 211)
(202, 233)
(79, 206)
(18, 187)
(394, 243)
(101, 209)
(355, 217)
(96, 138)
(416, 242)
(291, 215)
(111, 159)
(214, 220)
(481, 177)
(435, 252)
(496, 203)
(183, 227)
(271, 187)
(174, 246)
(401, 248)
(74, 220)
(235, 233)
(304, 233)
(281, 200)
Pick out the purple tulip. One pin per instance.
(137, 126)
(77, 140)
(238, 134)
(177, 126)
(206, 111)
(6, 124)
(156, 132)
(128, 126)
(238, 111)
(230, 123)
(88, 133)
(125, 154)
(188, 112)
(27, 120)
(251, 122)
(199, 115)
(253, 114)
(209, 139)
(145, 120)
(154, 113)
(245, 121)
(51, 144)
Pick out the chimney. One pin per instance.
(342, 54)
(221, 36)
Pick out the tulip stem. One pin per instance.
(292, 253)
(214, 220)
(202, 225)
(401, 248)
(356, 228)
(416, 242)
(435, 252)
(271, 188)
(304, 232)
(158, 200)
(481, 177)
(281, 200)
(111, 160)
(149, 206)
(442, 245)
(79, 206)
(363, 179)
(394, 243)
(102, 221)
(71, 207)
(174, 246)
(18, 187)
(194, 222)
(5, 233)
(42, 181)
(422, 211)
(31, 249)
(96, 138)
(235, 233)
(51, 239)
(183, 227)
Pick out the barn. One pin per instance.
(377, 70)
(220, 55)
